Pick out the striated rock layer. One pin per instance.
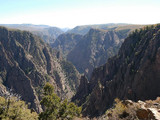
(26, 63)
(132, 74)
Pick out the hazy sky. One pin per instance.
(70, 13)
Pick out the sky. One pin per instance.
(71, 13)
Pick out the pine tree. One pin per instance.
(55, 109)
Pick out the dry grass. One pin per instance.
(122, 111)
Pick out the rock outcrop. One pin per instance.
(129, 110)
(132, 74)
(82, 91)
(27, 63)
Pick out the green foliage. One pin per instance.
(118, 109)
(48, 89)
(55, 109)
(68, 110)
(119, 106)
(13, 109)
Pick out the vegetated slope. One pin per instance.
(96, 47)
(47, 33)
(132, 74)
(84, 29)
(66, 42)
(26, 63)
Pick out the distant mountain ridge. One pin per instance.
(27, 27)
(47, 33)
(84, 29)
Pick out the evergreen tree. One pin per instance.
(55, 109)
(14, 109)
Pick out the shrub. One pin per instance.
(122, 111)
(13, 109)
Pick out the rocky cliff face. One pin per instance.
(66, 42)
(132, 74)
(82, 91)
(26, 63)
(95, 48)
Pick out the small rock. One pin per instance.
(128, 102)
(143, 114)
